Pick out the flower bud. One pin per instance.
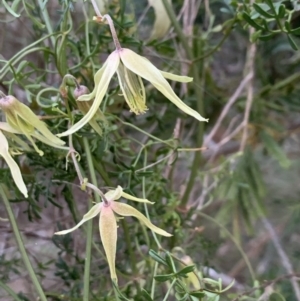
(80, 91)
(7, 102)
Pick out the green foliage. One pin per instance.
(212, 200)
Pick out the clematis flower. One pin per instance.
(130, 68)
(13, 166)
(109, 210)
(21, 120)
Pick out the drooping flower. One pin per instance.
(21, 120)
(13, 166)
(109, 210)
(130, 68)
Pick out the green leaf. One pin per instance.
(262, 10)
(295, 31)
(146, 295)
(265, 24)
(266, 37)
(10, 10)
(186, 270)
(27, 6)
(255, 36)
(225, 10)
(181, 298)
(287, 26)
(144, 173)
(270, 3)
(276, 297)
(292, 43)
(275, 150)
(164, 278)
(120, 295)
(156, 257)
(198, 294)
(281, 11)
(276, 6)
(212, 297)
(251, 22)
(170, 262)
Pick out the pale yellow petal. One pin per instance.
(97, 78)
(24, 146)
(115, 194)
(172, 76)
(24, 112)
(94, 124)
(8, 128)
(84, 107)
(162, 21)
(48, 142)
(133, 198)
(108, 233)
(13, 166)
(96, 209)
(111, 67)
(175, 77)
(147, 70)
(126, 210)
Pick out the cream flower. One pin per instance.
(21, 120)
(13, 166)
(130, 67)
(108, 222)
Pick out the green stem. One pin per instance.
(47, 20)
(212, 51)
(145, 205)
(153, 280)
(9, 291)
(23, 52)
(132, 256)
(234, 241)
(22, 249)
(87, 39)
(144, 132)
(89, 232)
(178, 29)
(101, 170)
(169, 290)
(61, 46)
(270, 3)
(198, 86)
(16, 58)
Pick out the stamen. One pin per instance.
(133, 89)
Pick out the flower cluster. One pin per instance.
(131, 68)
